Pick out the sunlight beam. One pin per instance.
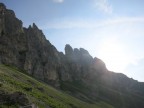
(113, 54)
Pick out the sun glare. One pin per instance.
(113, 54)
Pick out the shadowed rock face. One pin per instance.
(27, 48)
(75, 71)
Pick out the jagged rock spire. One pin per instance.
(68, 50)
(2, 6)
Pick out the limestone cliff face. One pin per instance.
(42, 58)
(27, 48)
(11, 34)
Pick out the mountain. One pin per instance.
(76, 72)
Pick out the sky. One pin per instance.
(112, 30)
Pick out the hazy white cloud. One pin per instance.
(67, 24)
(58, 1)
(103, 5)
(79, 23)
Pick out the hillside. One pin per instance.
(39, 93)
(85, 80)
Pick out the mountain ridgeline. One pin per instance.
(75, 72)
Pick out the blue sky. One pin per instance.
(112, 30)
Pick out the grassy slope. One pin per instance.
(12, 80)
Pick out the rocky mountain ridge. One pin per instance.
(29, 50)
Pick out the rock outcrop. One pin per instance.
(27, 48)
(76, 71)
(13, 99)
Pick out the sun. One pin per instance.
(113, 54)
